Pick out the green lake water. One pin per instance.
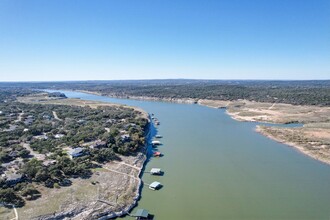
(218, 168)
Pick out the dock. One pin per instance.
(155, 185)
(155, 171)
(156, 143)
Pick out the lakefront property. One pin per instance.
(167, 110)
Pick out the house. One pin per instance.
(125, 137)
(47, 117)
(28, 121)
(98, 144)
(76, 152)
(11, 115)
(49, 162)
(57, 136)
(13, 154)
(127, 126)
(14, 178)
(111, 121)
(155, 185)
(41, 137)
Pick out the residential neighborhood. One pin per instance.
(46, 144)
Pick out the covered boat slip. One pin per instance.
(156, 143)
(155, 185)
(155, 171)
(142, 214)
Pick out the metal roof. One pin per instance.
(76, 150)
(142, 213)
(155, 184)
(155, 170)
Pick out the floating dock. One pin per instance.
(155, 171)
(155, 185)
(156, 143)
(141, 214)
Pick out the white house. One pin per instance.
(76, 152)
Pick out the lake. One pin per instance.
(219, 168)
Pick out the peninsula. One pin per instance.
(64, 157)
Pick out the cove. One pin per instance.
(219, 168)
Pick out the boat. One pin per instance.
(158, 136)
(156, 143)
(157, 154)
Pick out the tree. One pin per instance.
(8, 196)
(30, 192)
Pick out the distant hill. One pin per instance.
(305, 92)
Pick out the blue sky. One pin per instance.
(160, 39)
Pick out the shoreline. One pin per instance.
(136, 199)
(297, 147)
(234, 112)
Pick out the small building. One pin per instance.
(155, 185)
(76, 152)
(111, 121)
(57, 136)
(49, 162)
(25, 130)
(47, 117)
(13, 154)
(98, 144)
(12, 115)
(155, 171)
(81, 121)
(28, 121)
(14, 178)
(125, 137)
(141, 214)
(41, 137)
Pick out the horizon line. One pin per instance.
(163, 79)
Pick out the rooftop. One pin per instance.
(155, 185)
(76, 150)
(155, 170)
(142, 213)
(14, 176)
